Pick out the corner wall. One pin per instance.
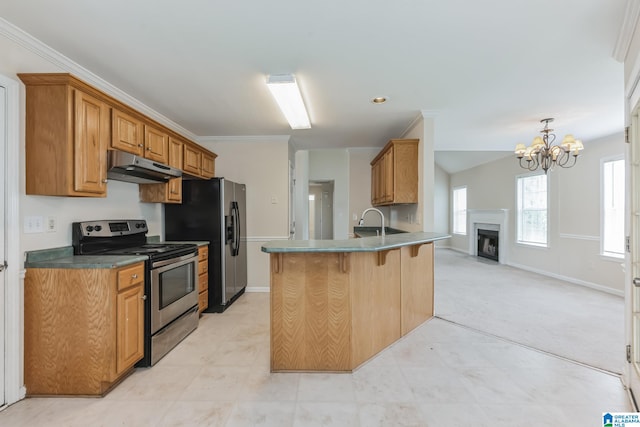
(574, 216)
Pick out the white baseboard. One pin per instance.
(569, 279)
(257, 289)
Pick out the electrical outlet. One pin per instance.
(33, 224)
(51, 224)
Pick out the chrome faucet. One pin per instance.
(361, 222)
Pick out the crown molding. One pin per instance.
(46, 52)
(245, 138)
(627, 29)
(424, 114)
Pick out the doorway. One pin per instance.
(11, 295)
(321, 210)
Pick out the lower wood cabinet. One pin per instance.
(203, 278)
(84, 328)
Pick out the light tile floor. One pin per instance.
(441, 374)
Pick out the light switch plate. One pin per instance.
(33, 224)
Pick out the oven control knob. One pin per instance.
(98, 227)
(89, 228)
(140, 225)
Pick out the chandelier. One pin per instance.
(543, 154)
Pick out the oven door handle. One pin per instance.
(172, 260)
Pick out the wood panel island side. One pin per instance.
(337, 303)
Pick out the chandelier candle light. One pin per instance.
(542, 153)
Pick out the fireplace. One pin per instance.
(488, 243)
(492, 220)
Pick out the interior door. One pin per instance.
(632, 288)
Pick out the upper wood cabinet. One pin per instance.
(67, 134)
(208, 165)
(156, 144)
(70, 125)
(192, 160)
(170, 192)
(394, 173)
(198, 162)
(126, 133)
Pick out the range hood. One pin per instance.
(131, 168)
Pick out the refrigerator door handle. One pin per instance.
(235, 246)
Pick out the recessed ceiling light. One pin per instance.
(379, 100)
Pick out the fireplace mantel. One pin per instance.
(496, 219)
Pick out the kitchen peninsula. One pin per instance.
(337, 303)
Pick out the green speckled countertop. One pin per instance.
(365, 244)
(64, 258)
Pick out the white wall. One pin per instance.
(334, 165)
(264, 167)
(574, 215)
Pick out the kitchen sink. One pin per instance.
(362, 231)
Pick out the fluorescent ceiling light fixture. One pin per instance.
(285, 90)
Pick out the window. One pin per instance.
(460, 210)
(532, 210)
(612, 242)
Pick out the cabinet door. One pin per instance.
(192, 160)
(126, 133)
(130, 328)
(174, 190)
(156, 145)
(208, 165)
(388, 177)
(90, 144)
(175, 153)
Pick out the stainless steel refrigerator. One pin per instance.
(214, 210)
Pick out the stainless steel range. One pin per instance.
(171, 273)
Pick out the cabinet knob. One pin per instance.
(143, 297)
(148, 148)
(104, 181)
(134, 276)
(139, 145)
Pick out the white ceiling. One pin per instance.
(487, 71)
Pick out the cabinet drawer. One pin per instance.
(129, 276)
(203, 253)
(203, 301)
(203, 282)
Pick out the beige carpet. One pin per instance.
(551, 315)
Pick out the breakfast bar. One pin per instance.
(337, 303)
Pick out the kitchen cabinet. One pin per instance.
(67, 134)
(192, 160)
(84, 328)
(198, 162)
(126, 133)
(203, 278)
(208, 165)
(171, 191)
(156, 144)
(394, 173)
(334, 310)
(71, 124)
